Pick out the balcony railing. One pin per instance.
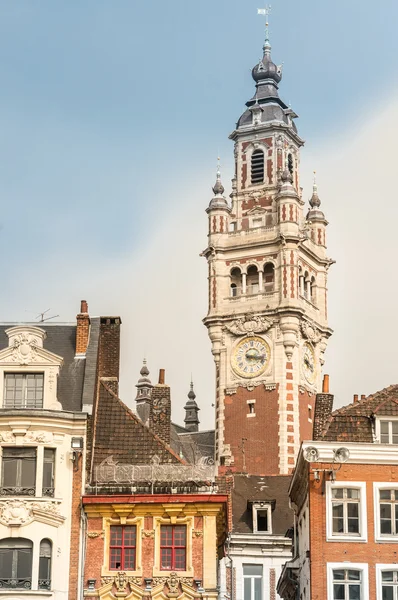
(23, 584)
(17, 491)
(251, 290)
(48, 491)
(44, 584)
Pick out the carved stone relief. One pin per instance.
(121, 581)
(249, 325)
(23, 512)
(310, 331)
(39, 437)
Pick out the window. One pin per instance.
(269, 277)
(18, 473)
(261, 517)
(16, 563)
(389, 432)
(257, 167)
(345, 507)
(251, 405)
(236, 282)
(252, 582)
(257, 222)
(389, 585)
(122, 548)
(45, 565)
(347, 584)
(48, 472)
(347, 581)
(173, 547)
(23, 390)
(346, 511)
(388, 500)
(252, 280)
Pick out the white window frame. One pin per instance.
(261, 577)
(363, 529)
(377, 486)
(379, 569)
(262, 506)
(377, 427)
(363, 567)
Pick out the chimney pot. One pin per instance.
(83, 307)
(355, 397)
(363, 396)
(325, 385)
(161, 376)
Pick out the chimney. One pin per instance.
(109, 351)
(160, 409)
(363, 396)
(323, 409)
(82, 330)
(355, 397)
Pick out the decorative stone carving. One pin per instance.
(40, 437)
(310, 331)
(159, 410)
(120, 580)
(270, 386)
(23, 512)
(249, 325)
(197, 533)
(148, 533)
(95, 534)
(7, 437)
(24, 348)
(173, 582)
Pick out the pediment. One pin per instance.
(257, 210)
(26, 351)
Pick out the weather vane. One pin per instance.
(265, 12)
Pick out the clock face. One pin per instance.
(250, 357)
(309, 364)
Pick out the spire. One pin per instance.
(266, 70)
(315, 213)
(315, 201)
(286, 183)
(144, 392)
(191, 411)
(218, 188)
(267, 46)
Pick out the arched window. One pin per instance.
(301, 282)
(307, 286)
(45, 565)
(236, 283)
(269, 277)
(257, 173)
(252, 280)
(312, 290)
(16, 563)
(290, 163)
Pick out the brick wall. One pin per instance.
(323, 410)
(75, 530)
(160, 411)
(109, 350)
(370, 552)
(253, 439)
(306, 408)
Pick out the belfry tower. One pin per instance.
(267, 274)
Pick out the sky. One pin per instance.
(112, 115)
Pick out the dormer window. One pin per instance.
(261, 512)
(23, 390)
(388, 432)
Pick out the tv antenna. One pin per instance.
(41, 316)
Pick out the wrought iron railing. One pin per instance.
(44, 584)
(17, 491)
(24, 584)
(48, 491)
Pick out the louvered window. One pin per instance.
(257, 166)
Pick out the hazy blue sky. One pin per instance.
(111, 117)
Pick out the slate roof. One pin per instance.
(272, 488)
(119, 433)
(196, 445)
(354, 423)
(61, 340)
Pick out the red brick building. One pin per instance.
(345, 495)
(154, 522)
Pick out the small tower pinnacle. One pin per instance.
(315, 201)
(144, 392)
(218, 188)
(191, 411)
